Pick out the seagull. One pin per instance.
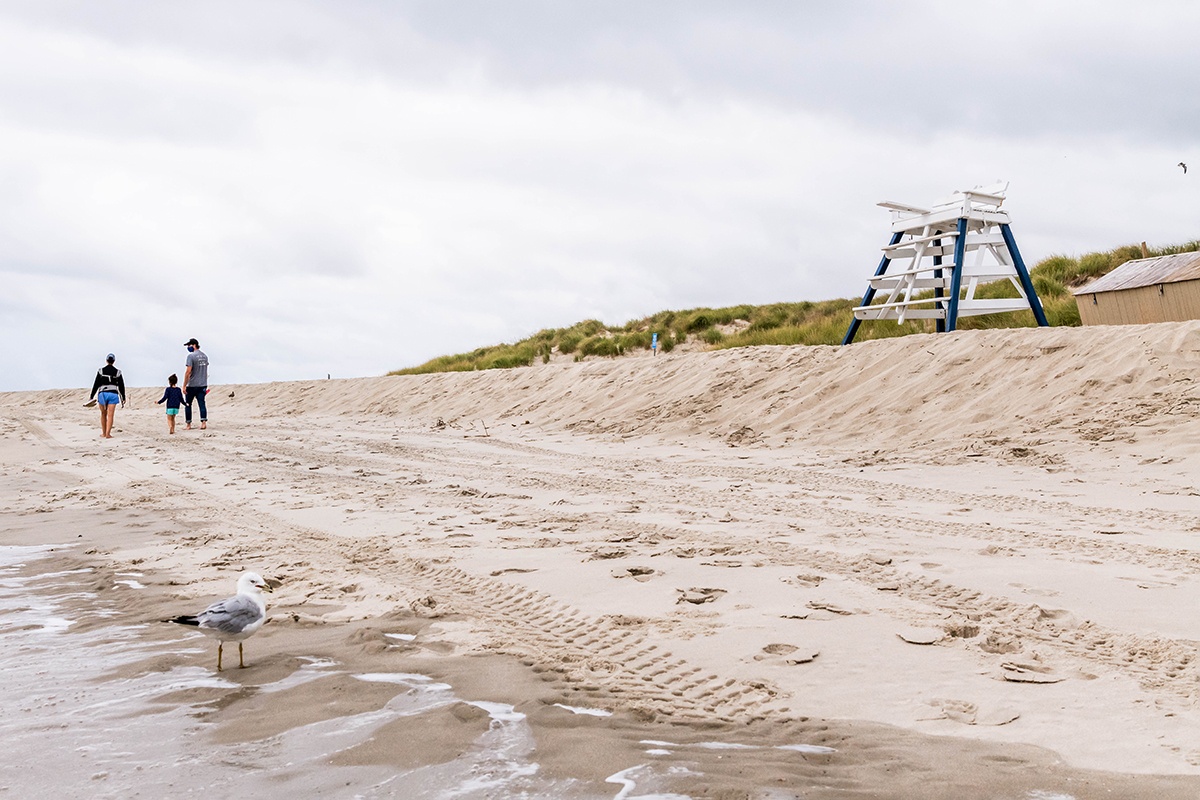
(1181, 164)
(234, 618)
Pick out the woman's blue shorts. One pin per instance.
(108, 398)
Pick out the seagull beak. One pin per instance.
(266, 587)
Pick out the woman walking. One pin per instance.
(108, 389)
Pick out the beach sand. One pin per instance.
(939, 566)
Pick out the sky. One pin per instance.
(349, 187)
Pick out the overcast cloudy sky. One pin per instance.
(352, 186)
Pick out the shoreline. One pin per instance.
(299, 683)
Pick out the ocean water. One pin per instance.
(73, 726)
(78, 729)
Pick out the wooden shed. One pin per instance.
(1159, 289)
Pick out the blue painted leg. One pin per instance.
(1026, 282)
(870, 293)
(960, 246)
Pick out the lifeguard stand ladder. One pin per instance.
(972, 229)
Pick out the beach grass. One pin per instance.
(809, 323)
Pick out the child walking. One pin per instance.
(173, 397)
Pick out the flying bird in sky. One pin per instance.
(1181, 164)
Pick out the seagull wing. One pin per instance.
(232, 615)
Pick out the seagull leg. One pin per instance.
(220, 645)
(241, 663)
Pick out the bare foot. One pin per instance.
(203, 426)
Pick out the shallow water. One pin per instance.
(75, 732)
(75, 727)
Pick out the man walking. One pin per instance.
(195, 384)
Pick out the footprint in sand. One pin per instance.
(922, 635)
(968, 713)
(1001, 644)
(726, 562)
(821, 605)
(605, 553)
(641, 574)
(787, 654)
(1029, 672)
(698, 595)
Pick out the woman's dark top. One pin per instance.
(108, 379)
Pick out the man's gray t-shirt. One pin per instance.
(199, 364)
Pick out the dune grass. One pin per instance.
(810, 323)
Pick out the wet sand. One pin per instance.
(968, 592)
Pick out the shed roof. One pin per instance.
(1147, 272)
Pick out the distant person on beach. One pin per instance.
(108, 389)
(173, 397)
(195, 383)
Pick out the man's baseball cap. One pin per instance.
(110, 357)
(191, 341)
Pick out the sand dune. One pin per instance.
(988, 537)
(917, 392)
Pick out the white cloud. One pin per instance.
(356, 191)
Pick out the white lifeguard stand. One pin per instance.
(969, 227)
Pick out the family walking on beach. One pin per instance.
(108, 389)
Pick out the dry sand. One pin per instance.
(967, 563)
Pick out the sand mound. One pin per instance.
(1015, 389)
(1011, 392)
